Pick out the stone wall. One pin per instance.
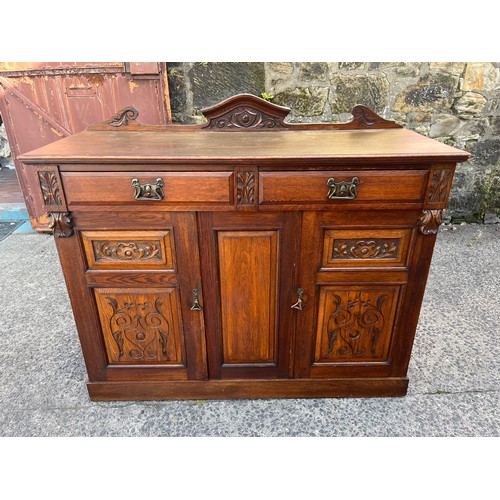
(5, 158)
(456, 103)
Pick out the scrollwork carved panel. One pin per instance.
(140, 326)
(124, 117)
(245, 111)
(245, 118)
(355, 324)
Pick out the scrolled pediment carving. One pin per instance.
(245, 111)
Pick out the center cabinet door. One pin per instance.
(249, 259)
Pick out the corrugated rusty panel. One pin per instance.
(43, 102)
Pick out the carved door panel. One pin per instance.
(355, 278)
(147, 288)
(141, 326)
(250, 262)
(354, 323)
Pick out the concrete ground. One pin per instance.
(454, 372)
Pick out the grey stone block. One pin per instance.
(308, 101)
(347, 90)
(213, 82)
(432, 92)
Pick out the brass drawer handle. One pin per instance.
(148, 191)
(343, 190)
(298, 304)
(196, 302)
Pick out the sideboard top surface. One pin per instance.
(173, 145)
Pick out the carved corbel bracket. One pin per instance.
(430, 221)
(61, 224)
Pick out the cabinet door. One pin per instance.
(249, 260)
(354, 271)
(144, 284)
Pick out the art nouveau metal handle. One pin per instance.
(298, 304)
(196, 303)
(148, 191)
(343, 190)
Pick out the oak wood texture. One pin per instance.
(232, 389)
(248, 268)
(251, 277)
(180, 188)
(249, 258)
(299, 146)
(311, 187)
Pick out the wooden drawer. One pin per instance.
(178, 188)
(342, 187)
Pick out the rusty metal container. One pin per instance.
(41, 102)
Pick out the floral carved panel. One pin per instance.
(365, 247)
(355, 323)
(131, 249)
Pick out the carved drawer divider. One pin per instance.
(246, 187)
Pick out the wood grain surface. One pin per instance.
(283, 260)
(239, 147)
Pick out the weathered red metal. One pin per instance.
(41, 102)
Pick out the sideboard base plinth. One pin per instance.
(225, 389)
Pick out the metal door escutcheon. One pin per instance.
(298, 304)
(148, 191)
(196, 302)
(343, 190)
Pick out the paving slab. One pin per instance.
(454, 371)
(8, 227)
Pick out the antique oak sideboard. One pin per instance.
(247, 256)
